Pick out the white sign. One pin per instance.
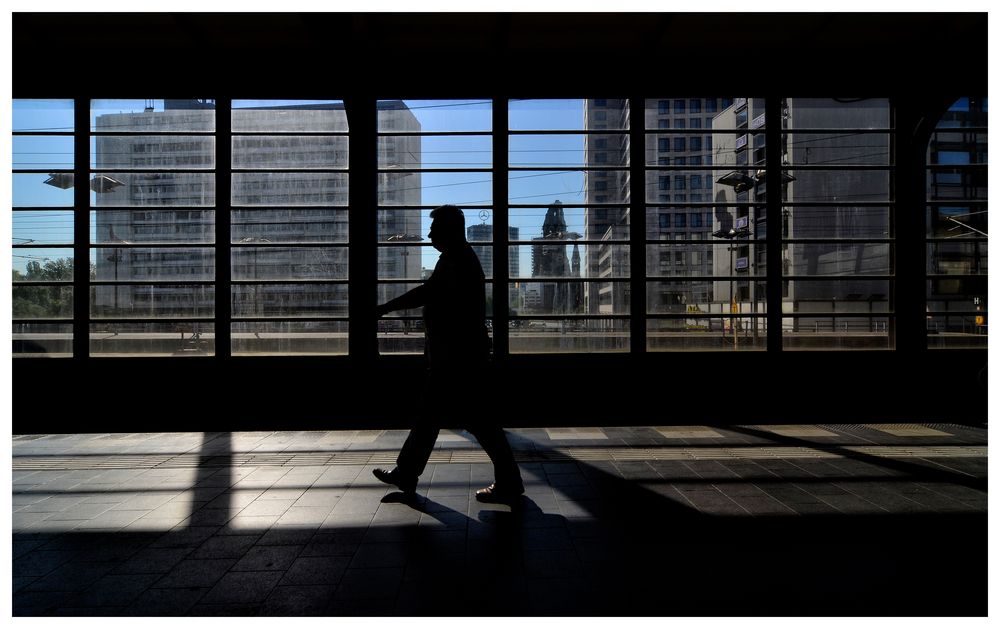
(757, 122)
(741, 142)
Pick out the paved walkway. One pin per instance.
(625, 521)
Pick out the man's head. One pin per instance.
(447, 227)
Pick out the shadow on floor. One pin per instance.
(635, 547)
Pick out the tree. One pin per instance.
(45, 302)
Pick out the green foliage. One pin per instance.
(44, 302)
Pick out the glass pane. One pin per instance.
(951, 148)
(154, 115)
(679, 260)
(706, 110)
(567, 114)
(324, 116)
(290, 151)
(289, 338)
(835, 222)
(435, 115)
(289, 225)
(42, 340)
(435, 151)
(946, 183)
(960, 258)
(844, 186)
(535, 336)
(957, 221)
(851, 296)
(42, 265)
(955, 294)
(391, 291)
(41, 302)
(957, 332)
(151, 301)
(568, 150)
(579, 222)
(181, 338)
(294, 189)
(40, 190)
(695, 149)
(700, 333)
(837, 113)
(36, 152)
(547, 187)
(152, 189)
(837, 148)
(552, 259)
(152, 152)
(413, 263)
(152, 226)
(838, 259)
(560, 298)
(285, 263)
(700, 297)
(401, 336)
(435, 188)
(143, 264)
(289, 300)
(43, 227)
(45, 115)
(835, 333)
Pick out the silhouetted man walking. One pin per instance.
(457, 350)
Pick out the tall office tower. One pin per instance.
(837, 204)
(484, 233)
(271, 208)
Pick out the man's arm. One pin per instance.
(414, 298)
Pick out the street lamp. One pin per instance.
(742, 230)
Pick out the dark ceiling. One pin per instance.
(482, 54)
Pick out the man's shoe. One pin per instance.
(394, 477)
(499, 495)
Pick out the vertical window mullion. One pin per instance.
(223, 228)
(637, 224)
(501, 227)
(363, 251)
(81, 228)
(772, 187)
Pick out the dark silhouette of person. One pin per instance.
(457, 349)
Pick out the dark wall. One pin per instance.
(922, 61)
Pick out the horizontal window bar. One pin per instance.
(565, 241)
(279, 169)
(963, 239)
(707, 315)
(689, 279)
(69, 132)
(956, 201)
(16, 321)
(836, 278)
(837, 130)
(254, 282)
(667, 168)
(158, 170)
(886, 203)
(618, 279)
(824, 167)
(40, 171)
(930, 276)
(531, 206)
(820, 241)
(46, 245)
(151, 132)
(878, 314)
(151, 245)
(705, 131)
(42, 283)
(322, 134)
(621, 132)
(150, 282)
(568, 169)
(938, 167)
(343, 244)
(710, 241)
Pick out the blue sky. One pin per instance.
(464, 189)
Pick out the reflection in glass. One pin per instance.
(179, 338)
(285, 263)
(699, 332)
(152, 152)
(152, 301)
(289, 300)
(153, 115)
(42, 340)
(290, 225)
(289, 189)
(438, 152)
(835, 333)
(254, 116)
(41, 302)
(121, 264)
(290, 151)
(544, 336)
(289, 338)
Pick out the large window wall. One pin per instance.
(703, 173)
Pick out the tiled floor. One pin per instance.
(629, 521)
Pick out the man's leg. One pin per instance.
(416, 450)
(505, 470)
